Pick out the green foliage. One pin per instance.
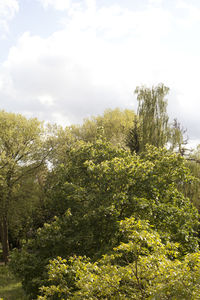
(94, 189)
(193, 190)
(61, 140)
(26, 203)
(121, 221)
(151, 124)
(10, 288)
(178, 138)
(152, 114)
(21, 153)
(179, 279)
(140, 268)
(20, 142)
(133, 137)
(114, 125)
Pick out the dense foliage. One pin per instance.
(113, 125)
(102, 210)
(151, 125)
(22, 151)
(94, 189)
(142, 267)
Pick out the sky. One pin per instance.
(65, 60)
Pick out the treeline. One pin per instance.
(103, 210)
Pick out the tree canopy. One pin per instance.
(151, 125)
(96, 188)
(91, 219)
(140, 267)
(21, 153)
(113, 125)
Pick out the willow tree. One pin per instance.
(21, 153)
(152, 114)
(151, 124)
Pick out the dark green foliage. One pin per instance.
(10, 288)
(133, 137)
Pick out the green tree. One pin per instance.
(152, 123)
(192, 190)
(178, 138)
(140, 267)
(21, 153)
(114, 125)
(61, 141)
(152, 113)
(97, 187)
(27, 209)
(133, 137)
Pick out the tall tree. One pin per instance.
(133, 137)
(192, 189)
(21, 153)
(151, 125)
(153, 117)
(178, 138)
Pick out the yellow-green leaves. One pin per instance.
(141, 268)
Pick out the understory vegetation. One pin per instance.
(10, 288)
(104, 210)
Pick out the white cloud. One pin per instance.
(192, 14)
(56, 4)
(96, 62)
(91, 4)
(8, 9)
(80, 67)
(68, 4)
(155, 2)
(46, 100)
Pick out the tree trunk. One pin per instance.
(4, 238)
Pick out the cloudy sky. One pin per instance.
(63, 60)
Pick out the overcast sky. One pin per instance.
(64, 60)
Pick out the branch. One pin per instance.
(193, 159)
(32, 169)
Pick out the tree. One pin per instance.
(115, 125)
(192, 190)
(152, 113)
(151, 125)
(26, 210)
(21, 153)
(140, 267)
(178, 138)
(96, 187)
(133, 137)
